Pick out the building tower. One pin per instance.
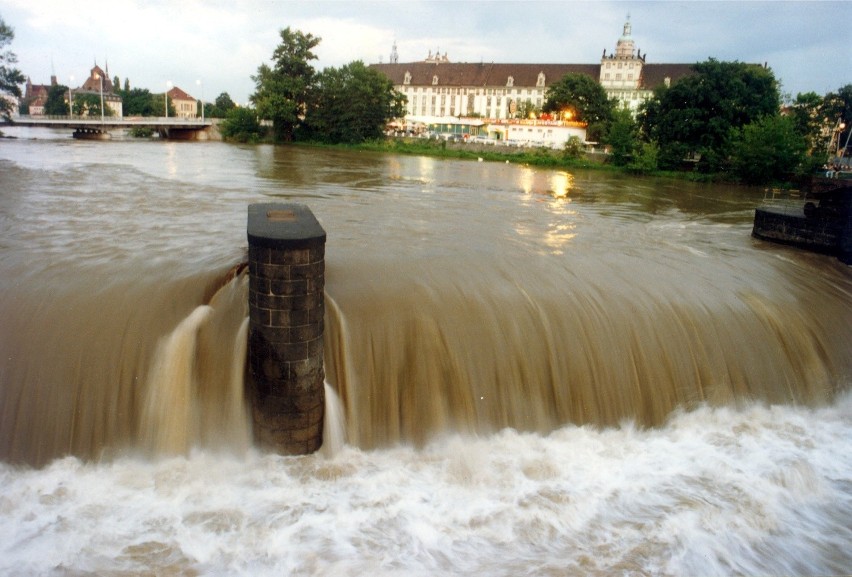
(621, 71)
(394, 57)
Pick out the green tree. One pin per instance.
(645, 159)
(10, 77)
(573, 148)
(526, 108)
(126, 85)
(768, 149)
(622, 136)
(140, 102)
(283, 89)
(584, 99)
(352, 104)
(220, 107)
(57, 101)
(241, 125)
(116, 83)
(696, 114)
(89, 104)
(806, 114)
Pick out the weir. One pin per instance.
(286, 304)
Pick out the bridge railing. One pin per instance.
(114, 120)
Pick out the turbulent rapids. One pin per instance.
(527, 372)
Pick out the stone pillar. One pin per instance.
(286, 305)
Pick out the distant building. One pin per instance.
(185, 105)
(93, 85)
(437, 88)
(35, 96)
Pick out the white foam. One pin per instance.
(759, 490)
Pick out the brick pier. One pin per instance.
(286, 306)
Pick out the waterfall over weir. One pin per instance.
(93, 375)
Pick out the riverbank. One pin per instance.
(543, 157)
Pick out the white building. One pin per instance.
(437, 88)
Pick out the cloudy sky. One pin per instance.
(207, 47)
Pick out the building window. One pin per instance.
(407, 79)
(510, 81)
(435, 80)
(540, 80)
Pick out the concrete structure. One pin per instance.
(436, 87)
(90, 127)
(286, 308)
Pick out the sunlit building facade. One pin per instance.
(436, 87)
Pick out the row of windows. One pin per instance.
(620, 64)
(476, 91)
(510, 81)
(618, 76)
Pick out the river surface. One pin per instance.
(529, 372)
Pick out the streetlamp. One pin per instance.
(101, 78)
(201, 84)
(70, 96)
(166, 96)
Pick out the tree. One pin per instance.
(806, 115)
(696, 114)
(622, 136)
(57, 102)
(89, 104)
(768, 149)
(241, 125)
(526, 109)
(584, 99)
(140, 102)
(283, 89)
(221, 106)
(116, 83)
(10, 78)
(352, 104)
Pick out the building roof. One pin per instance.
(497, 74)
(654, 75)
(178, 94)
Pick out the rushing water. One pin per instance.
(530, 372)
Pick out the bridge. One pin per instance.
(98, 128)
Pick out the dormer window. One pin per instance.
(510, 81)
(435, 80)
(407, 79)
(540, 81)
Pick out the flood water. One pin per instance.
(530, 372)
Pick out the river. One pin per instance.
(529, 372)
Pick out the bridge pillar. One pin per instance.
(286, 305)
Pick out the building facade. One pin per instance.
(436, 87)
(185, 105)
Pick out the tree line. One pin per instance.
(725, 119)
(349, 104)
